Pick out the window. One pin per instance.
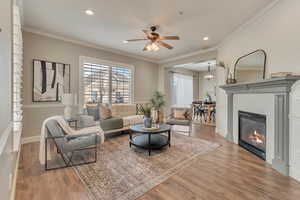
(106, 82)
(96, 83)
(17, 78)
(121, 85)
(182, 92)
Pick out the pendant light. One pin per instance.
(209, 76)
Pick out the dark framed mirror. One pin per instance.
(251, 67)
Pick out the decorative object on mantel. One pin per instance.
(229, 76)
(50, 81)
(221, 64)
(250, 67)
(280, 74)
(68, 101)
(146, 111)
(230, 79)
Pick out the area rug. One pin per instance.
(124, 173)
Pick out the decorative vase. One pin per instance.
(147, 122)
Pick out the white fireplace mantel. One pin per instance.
(281, 88)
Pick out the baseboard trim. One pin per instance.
(32, 139)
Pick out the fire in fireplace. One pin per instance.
(252, 133)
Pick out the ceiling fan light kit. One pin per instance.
(154, 40)
(152, 47)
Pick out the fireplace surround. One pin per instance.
(252, 133)
(279, 89)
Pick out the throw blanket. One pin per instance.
(67, 129)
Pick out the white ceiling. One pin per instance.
(118, 20)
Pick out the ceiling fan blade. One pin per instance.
(164, 44)
(135, 40)
(169, 37)
(147, 32)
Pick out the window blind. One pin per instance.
(17, 78)
(121, 85)
(96, 83)
(106, 84)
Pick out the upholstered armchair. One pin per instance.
(69, 145)
(181, 117)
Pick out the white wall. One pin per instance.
(277, 31)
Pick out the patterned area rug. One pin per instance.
(123, 173)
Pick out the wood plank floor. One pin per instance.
(228, 173)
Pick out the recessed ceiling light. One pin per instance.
(125, 41)
(205, 38)
(89, 12)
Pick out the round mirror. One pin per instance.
(251, 67)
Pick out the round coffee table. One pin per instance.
(150, 139)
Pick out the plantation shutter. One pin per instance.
(96, 83)
(121, 85)
(106, 82)
(17, 78)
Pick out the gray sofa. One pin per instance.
(123, 116)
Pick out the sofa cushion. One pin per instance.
(180, 114)
(133, 119)
(123, 110)
(75, 142)
(111, 123)
(105, 112)
(93, 110)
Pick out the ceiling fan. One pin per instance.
(154, 40)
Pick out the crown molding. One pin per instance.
(86, 44)
(122, 53)
(175, 58)
(252, 20)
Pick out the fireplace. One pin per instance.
(252, 133)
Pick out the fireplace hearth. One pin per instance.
(252, 133)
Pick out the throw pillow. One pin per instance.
(93, 110)
(180, 114)
(105, 112)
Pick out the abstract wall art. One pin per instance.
(50, 81)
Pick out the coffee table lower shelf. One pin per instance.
(156, 141)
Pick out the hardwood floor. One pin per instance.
(228, 173)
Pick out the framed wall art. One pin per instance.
(50, 81)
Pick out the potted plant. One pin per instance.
(146, 110)
(208, 97)
(158, 101)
